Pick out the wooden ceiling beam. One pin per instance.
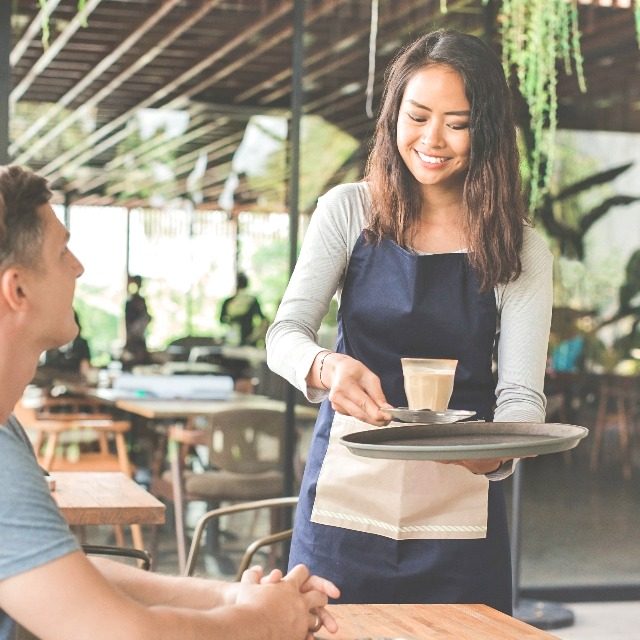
(94, 74)
(205, 7)
(350, 43)
(214, 150)
(97, 142)
(52, 51)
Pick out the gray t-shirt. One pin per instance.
(32, 530)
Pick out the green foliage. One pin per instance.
(99, 327)
(26, 113)
(45, 26)
(536, 35)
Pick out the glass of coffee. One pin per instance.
(428, 382)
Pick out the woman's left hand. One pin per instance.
(481, 466)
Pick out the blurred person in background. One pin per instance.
(243, 315)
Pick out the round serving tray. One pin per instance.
(465, 440)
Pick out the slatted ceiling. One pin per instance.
(248, 47)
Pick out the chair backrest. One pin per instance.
(247, 440)
(280, 536)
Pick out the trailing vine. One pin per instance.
(535, 36)
(44, 19)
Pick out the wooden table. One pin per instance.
(427, 622)
(158, 409)
(108, 498)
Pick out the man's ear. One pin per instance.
(12, 288)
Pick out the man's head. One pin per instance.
(37, 270)
(242, 282)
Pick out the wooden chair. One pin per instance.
(61, 422)
(273, 538)
(243, 451)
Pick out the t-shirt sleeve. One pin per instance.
(32, 530)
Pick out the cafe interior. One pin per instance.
(186, 143)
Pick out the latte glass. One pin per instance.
(428, 382)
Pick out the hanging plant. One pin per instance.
(536, 35)
(46, 11)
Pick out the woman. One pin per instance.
(431, 256)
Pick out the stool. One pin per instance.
(616, 408)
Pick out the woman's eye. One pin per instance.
(417, 118)
(459, 127)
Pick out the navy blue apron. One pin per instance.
(396, 304)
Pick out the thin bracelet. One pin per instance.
(324, 357)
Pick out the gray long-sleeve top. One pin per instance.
(523, 307)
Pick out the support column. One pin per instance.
(5, 79)
(294, 189)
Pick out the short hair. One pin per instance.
(21, 227)
(242, 282)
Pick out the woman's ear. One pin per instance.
(12, 288)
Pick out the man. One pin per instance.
(46, 583)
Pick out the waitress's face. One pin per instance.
(433, 127)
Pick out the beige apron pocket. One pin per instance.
(398, 499)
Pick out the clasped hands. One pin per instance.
(298, 598)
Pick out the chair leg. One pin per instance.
(136, 536)
(623, 438)
(50, 451)
(600, 426)
(178, 504)
(123, 456)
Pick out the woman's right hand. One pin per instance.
(354, 390)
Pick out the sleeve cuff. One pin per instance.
(503, 471)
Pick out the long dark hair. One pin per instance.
(494, 213)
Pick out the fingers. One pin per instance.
(328, 621)
(321, 584)
(274, 576)
(298, 576)
(479, 466)
(315, 621)
(356, 391)
(362, 399)
(252, 576)
(315, 599)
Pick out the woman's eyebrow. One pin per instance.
(447, 113)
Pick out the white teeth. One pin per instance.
(430, 159)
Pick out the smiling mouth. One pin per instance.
(431, 159)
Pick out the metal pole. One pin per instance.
(5, 79)
(294, 188)
(67, 210)
(537, 613)
(516, 534)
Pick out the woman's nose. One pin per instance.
(431, 136)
